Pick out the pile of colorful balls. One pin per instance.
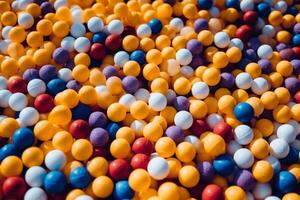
(150, 99)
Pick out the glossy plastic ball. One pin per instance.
(54, 178)
(80, 177)
(158, 168)
(14, 187)
(212, 192)
(55, 160)
(35, 193)
(34, 176)
(243, 112)
(285, 182)
(224, 165)
(122, 190)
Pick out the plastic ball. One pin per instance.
(212, 192)
(82, 149)
(95, 24)
(34, 176)
(115, 27)
(279, 148)
(52, 179)
(82, 44)
(221, 39)
(139, 180)
(79, 129)
(184, 56)
(183, 119)
(243, 134)
(142, 145)
(157, 101)
(36, 87)
(265, 51)
(120, 148)
(158, 168)
(243, 80)
(144, 30)
(285, 182)
(262, 171)
(122, 190)
(286, 132)
(119, 169)
(79, 177)
(243, 158)
(35, 193)
(11, 166)
(224, 165)
(55, 160)
(14, 187)
(243, 112)
(188, 176)
(200, 90)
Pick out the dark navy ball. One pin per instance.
(55, 182)
(99, 37)
(80, 177)
(81, 111)
(138, 56)
(155, 26)
(292, 157)
(56, 86)
(205, 4)
(285, 182)
(8, 150)
(263, 9)
(243, 112)
(224, 165)
(23, 138)
(122, 190)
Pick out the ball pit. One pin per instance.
(157, 99)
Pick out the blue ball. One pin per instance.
(99, 37)
(122, 190)
(95, 63)
(296, 40)
(23, 138)
(80, 177)
(263, 9)
(112, 129)
(205, 4)
(292, 157)
(56, 86)
(155, 25)
(8, 150)
(81, 111)
(285, 182)
(233, 4)
(224, 165)
(55, 182)
(243, 112)
(138, 56)
(292, 10)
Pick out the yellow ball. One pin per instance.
(168, 191)
(60, 29)
(152, 131)
(190, 11)
(87, 95)
(265, 126)
(189, 176)
(82, 59)
(253, 69)
(120, 148)
(131, 68)
(139, 180)
(162, 41)
(11, 166)
(214, 145)
(295, 111)
(120, 9)
(102, 186)
(175, 166)
(285, 68)
(288, 21)
(154, 56)
(259, 148)
(234, 54)
(8, 127)
(226, 104)
(269, 100)
(165, 147)
(68, 98)
(159, 85)
(283, 36)
(114, 85)
(8, 18)
(291, 196)
(182, 86)
(185, 152)
(63, 141)
(60, 115)
(98, 166)
(235, 193)
(130, 43)
(33, 9)
(44, 130)
(205, 37)
(262, 171)
(211, 76)
(220, 59)
(198, 109)
(282, 113)
(82, 149)
(151, 71)
(34, 39)
(73, 194)
(126, 133)
(32, 156)
(116, 112)
(179, 42)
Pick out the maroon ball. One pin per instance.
(199, 126)
(250, 18)
(297, 52)
(142, 145)
(244, 32)
(100, 152)
(79, 129)
(17, 84)
(113, 42)
(212, 192)
(140, 161)
(97, 51)
(119, 169)
(224, 130)
(297, 97)
(44, 103)
(14, 188)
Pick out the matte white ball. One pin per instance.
(232, 147)
(142, 94)
(36, 87)
(29, 116)
(187, 71)
(296, 125)
(193, 140)
(25, 20)
(243, 81)
(17, 101)
(15, 6)
(279, 148)
(68, 43)
(4, 98)
(143, 31)
(4, 46)
(236, 42)
(157, 101)
(183, 119)
(269, 30)
(184, 56)
(265, 51)
(5, 32)
(259, 86)
(200, 90)
(60, 3)
(214, 119)
(176, 23)
(55, 160)
(281, 6)
(82, 44)
(95, 24)
(101, 88)
(77, 30)
(65, 74)
(84, 197)
(243, 158)
(77, 15)
(35, 193)
(137, 126)
(222, 39)
(158, 168)
(115, 27)
(286, 132)
(272, 198)
(247, 5)
(243, 134)
(121, 58)
(171, 95)
(262, 190)
(127, 100)
(35, 175)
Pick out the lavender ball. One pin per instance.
(97, 119)
(130, 84)
(251, 55)
(244, 179)
(30, 74)
(47, 73)
(74, 85)
(175, 133)
(227, 80)
(296, 66)
(292, 84)
(60, 56)
(265, 65)
(181, 103)
(196, 62)
(200, 25)
(297, 28)
(70, 64)
(99, 137)
(206, 170)
(194, 46)
(281, 46)
(287, 54)
(109, 71)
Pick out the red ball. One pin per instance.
(14, 188)
(79, 129)
(244, 32)
(297, 52)
(17, 84)
(199, 126)
(297, 97)
(44, 103)
(142, 145)
(224, 130)
(113, 42)
(119, 169)
(97, 51)
(140, 161)
(212, 192)
(250, 18)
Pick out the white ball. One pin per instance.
(243, 134)
(84, 197)
(101, 88)
(171, 95)
(127, 100)
(187, 71)
(221, 40)
(232, 147)
(186, 30)
(176, 23)
(29, 116)
(281, 6)
(25, 20)
(243, 81)
(173, 67)
(295, 144)
(15, 6)
(259, 86)
(65, 74)
(157, 101)
(247, 5)
(68, 43)
(95, 24)
(60, 3)
(77, 30)
(143, 31)
(265, 51)
(121, 58)
(214, 119)
(35, 193)
(5, 32)
(236, 42)
(296, 125)
(262, 190)
(35, 175)
(243, 158)
(214, 12)
(269, 30)
(184, 56)
(183, 119)
(82, 44)
(158, 168)
(4, 46)
(17, 101)
(279, 148)
(4, 98)
(272, 198)
(55, 160)
(77, 15)
(115, 27)
(24, 3)
(137, 126)
(36, 87)
(286, 132)
(193, 140)
(142, 94)
(200, 90)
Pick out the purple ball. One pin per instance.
(292, 84)
(206, 170)
(70, 64)
(47, 7)
(30, 74)
(227, 80)
(39, 2)
(109, 71)
(297, 28)
(265, 65)
(267, 114)
(175, 133)
(243, 63)
(281, 46)
(296, 66)
(196, 61)
(47, 73)
(99, 137)
(60, 56)
(194, 46)
(253, 43)
(244, 179)
(287, 54)
(130, 84)
(97, 119)
(74, 85)
(171, 2)
(181, 103)
(200, 25)
(251, 55)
